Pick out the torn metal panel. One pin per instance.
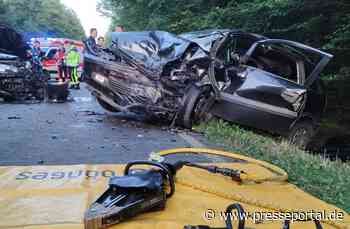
(152, 49)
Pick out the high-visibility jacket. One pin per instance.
(73, 58)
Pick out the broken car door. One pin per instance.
(263, 90)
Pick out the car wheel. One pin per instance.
(106, 106)
(197, 103)
(302, 134)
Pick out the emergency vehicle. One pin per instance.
(50, 47)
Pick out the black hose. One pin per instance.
(240, 215)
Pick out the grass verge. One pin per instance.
(325, 179)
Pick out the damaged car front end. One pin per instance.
(146, 72)
(17, 80)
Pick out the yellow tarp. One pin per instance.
(56, 197)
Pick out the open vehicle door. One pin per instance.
(267, 87)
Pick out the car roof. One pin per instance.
(205, 38)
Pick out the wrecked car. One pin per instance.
(268, 84)
(18, 80)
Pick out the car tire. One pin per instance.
(106, 106)
(195, 99)
(301, 134)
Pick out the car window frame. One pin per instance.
(299, 63)
(314, 75)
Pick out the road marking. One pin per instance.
(191, 140)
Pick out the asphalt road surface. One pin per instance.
(80, 132)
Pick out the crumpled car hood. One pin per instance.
(12, 43)
(153, 49)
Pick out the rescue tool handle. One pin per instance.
(163, 168)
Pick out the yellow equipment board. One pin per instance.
(56, 197)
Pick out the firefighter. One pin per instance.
(60, 60)
(72, 63)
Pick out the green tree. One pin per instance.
(41, 15)
(319, 23)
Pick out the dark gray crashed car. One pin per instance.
(17, 81)
(245, 78)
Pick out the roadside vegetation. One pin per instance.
(49, 17)
(325, 179)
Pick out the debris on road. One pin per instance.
(95, 120)
(14, 117)
(90, 113)
(50, 122)
(125, 147)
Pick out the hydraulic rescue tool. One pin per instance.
(139, 191)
